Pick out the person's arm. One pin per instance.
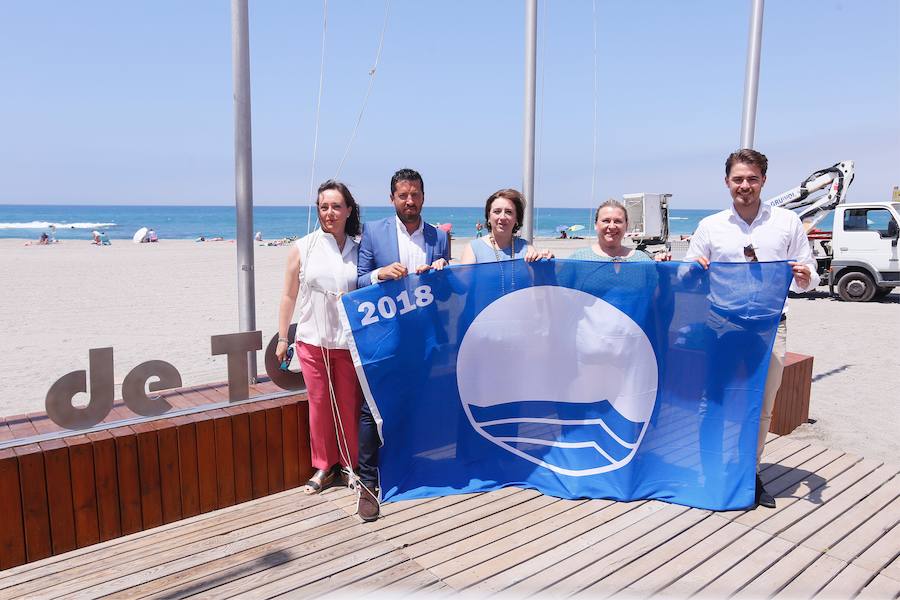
(366, 270)
(804, 265)
(468, 255)
(288, 301)
(699, 250)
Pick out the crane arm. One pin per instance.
(813, 208)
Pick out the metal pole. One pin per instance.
(243, 172)
(751, 79)
(528, 142)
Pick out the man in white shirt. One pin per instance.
(752, 231)
(390, 249)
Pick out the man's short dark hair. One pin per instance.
(353, 227)
(406, 175)
(747, 156)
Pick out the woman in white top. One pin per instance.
(321, 267)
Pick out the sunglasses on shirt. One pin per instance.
(750, 253)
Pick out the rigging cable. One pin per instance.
(594, 144)
(312, 170)
(365, 103)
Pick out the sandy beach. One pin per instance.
(165, 300)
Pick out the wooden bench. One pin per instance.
(792, 402)
(66, 493)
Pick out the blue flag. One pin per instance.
(579, 379)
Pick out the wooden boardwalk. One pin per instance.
(835, 533)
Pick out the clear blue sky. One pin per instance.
(112, 102)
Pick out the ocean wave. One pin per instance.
(47, 224)
(678, 218)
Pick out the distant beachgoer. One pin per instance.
(258, 237)
(503, 211)
(152, 237)
(95, 237)
(52, 238)
(44, 239)
(104, 239)
(479, 229)
(563, 235)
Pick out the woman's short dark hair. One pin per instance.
(353, 227)
(514, 196)
(747, 156)
(611, 203)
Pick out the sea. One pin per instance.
(274, 222)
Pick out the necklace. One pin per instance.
(512, 271)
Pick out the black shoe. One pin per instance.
(763, 498)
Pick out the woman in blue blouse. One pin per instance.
(611, 223)
(503, 213)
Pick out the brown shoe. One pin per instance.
(367, 506)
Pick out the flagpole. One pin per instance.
(751, 79)
(530, 100)
(243, 172)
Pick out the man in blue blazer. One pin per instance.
(390, 249)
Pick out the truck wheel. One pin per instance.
(856, 287)
(882, 291)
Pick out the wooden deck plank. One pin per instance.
(274, 446)
(36, 512)
(135, 566)
(188, 470)
(357, 579)
(290, 454)
(835, 508)
(813, 578)
(59, 495)
(207, 484)
(450, 559)
(627, 577)
(816, 492)
(583, 569)
(880, 587)
(859, 540)
(169, 476)
(846, 584)
(427, 542)
(599, 526)
(779, 575)
(259, 463)
(148, 470)
(884, 550)
(225, 452)
(416, 515)
(240, 443)
(509, 550)
(691, 558)
(855, 516)
(183, 532)
(732, 580)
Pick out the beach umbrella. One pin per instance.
(139, 235)
(448, 227)
(576, 227)
(561, 228)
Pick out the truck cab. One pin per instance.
(864, 262)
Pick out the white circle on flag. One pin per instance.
(552, 344)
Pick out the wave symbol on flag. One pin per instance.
(560, 378)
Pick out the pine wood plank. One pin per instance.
(859, 540)
(584, 568)
(134, 562)
(880, 587)
(771, 580)
(834, 508)
(718, 563)
(698, 527)
(545, 556)
(680, 564)
(813, 578)
(357, 579)
(451, 554)
(181, 533)
(416, 514)
(846, 584)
